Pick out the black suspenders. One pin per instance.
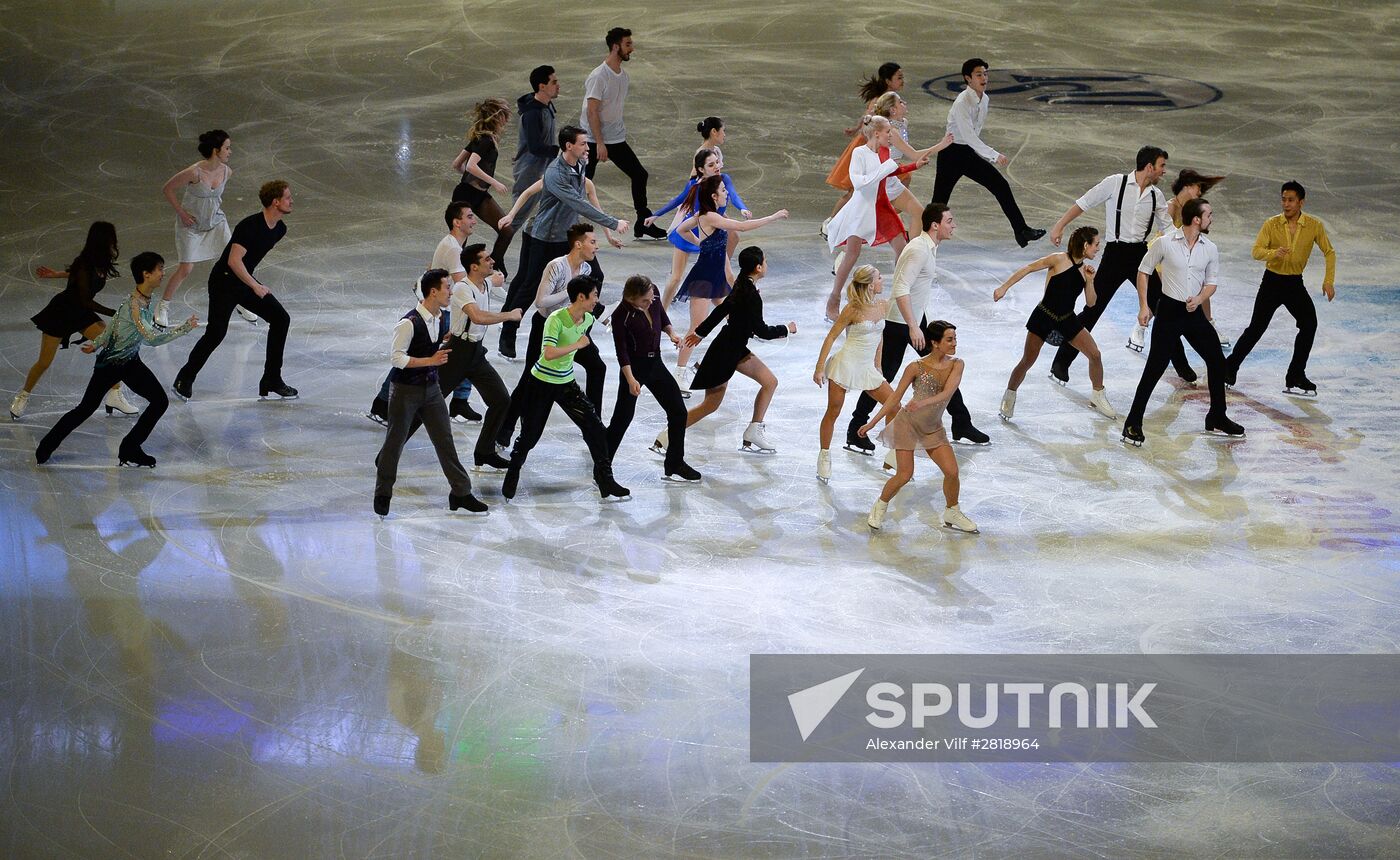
(1118, 215)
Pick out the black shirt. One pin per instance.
(255, 237)
(484, 146)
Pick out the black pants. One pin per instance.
(651, 372)
(535, 254)
(467, 360)
(893, 343)
(1179, 362)
(622, 155)
(1277, 291)
(134, 375)
(539, 399)
(225, 293)
(959, 160)
(1120, 263)
(1173, 323)
(588, 358)
(408, 406)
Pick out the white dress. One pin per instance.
(210, 233)
(853, 366)
(857, 217)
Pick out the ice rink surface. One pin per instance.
(231, 656)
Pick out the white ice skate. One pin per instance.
(660, 443)
(956, 520)
(824, 466)
(1138, 339)
(248, 315)
(684, 373)
(1008, 405)
(17, 405)
(876, 520)
(116, 401)
(825, 224)
(755, 441)
(836, 261)
(1099, 403)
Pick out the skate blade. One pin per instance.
(488, 469)
(1004, 417)
(1136, 443)
(1058, 381)
(127, 464)
(677, 479)
(952, 528)
(1135, 347)
(685, 393)
(753, 449)
(613, 500)
(858, 450)
(1221, 434)
(659, 450)
(826, 480)
(959, 440)
(1300, 392)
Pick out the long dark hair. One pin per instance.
(99, 250)
(701, 198)
(879, 83)
(701, 156)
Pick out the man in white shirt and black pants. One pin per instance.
(418, 350)
(969, 156)
(904, 325)
(1190, 265)
(604, 94)
(1133, 208)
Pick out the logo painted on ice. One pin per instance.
(1080, 89)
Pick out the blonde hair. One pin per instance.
(871, 123)
(488, 118)
(858, 290)
(885, 104)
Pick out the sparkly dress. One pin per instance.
(706, 279)
(922, 428)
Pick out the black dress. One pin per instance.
(744, 308)
(74, 310)
(1054, 319)
(470, 189)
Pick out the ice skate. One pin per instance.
(1300, 387)
(824, 466)
(876, 520)
(1099, 403)
(17, 405)
(756, 441)
(116, 401)
(1008, 405)
(955, 519)
(1138, 339)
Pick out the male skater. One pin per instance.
(1285, 242)
(538, 145)
(232, 284)
(563, 203)
(1133, 208)
(969, 156)
(604, 94)
(551, 381)
(1190, 266)
(904, 325)
(417, 353)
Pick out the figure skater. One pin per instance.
(867, 218)
(856, 366)
(1188, 186)
(477, 165)
(637, 326)
(893, 107)
(201, 227)
(75, 311)
(730, 354)
(919, 424)
(709, 280)
(707, 164)
(1054, 322)
(118, 349)
(888, 78)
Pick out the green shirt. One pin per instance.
(560, 330)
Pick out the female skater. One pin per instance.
(730, 353)
(707, 164)
(888, 78)
(867, 218)
(118, 350)
(856, 366)
(919, 424)
(477, 165)
(1188, 186)
(74, 311)
(201, 228)
(1053, 321)
(637, 326)
(893, 107)
(709, 280)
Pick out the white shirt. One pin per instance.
(464, 293)
(965, 120)
(609, 88)
(1185, 270)
(553, 290)
(1140, 208)
(448, 255)
(913, 277)
(403, 336)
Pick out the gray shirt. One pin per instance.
(563, 202)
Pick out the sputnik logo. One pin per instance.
(810, 706)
